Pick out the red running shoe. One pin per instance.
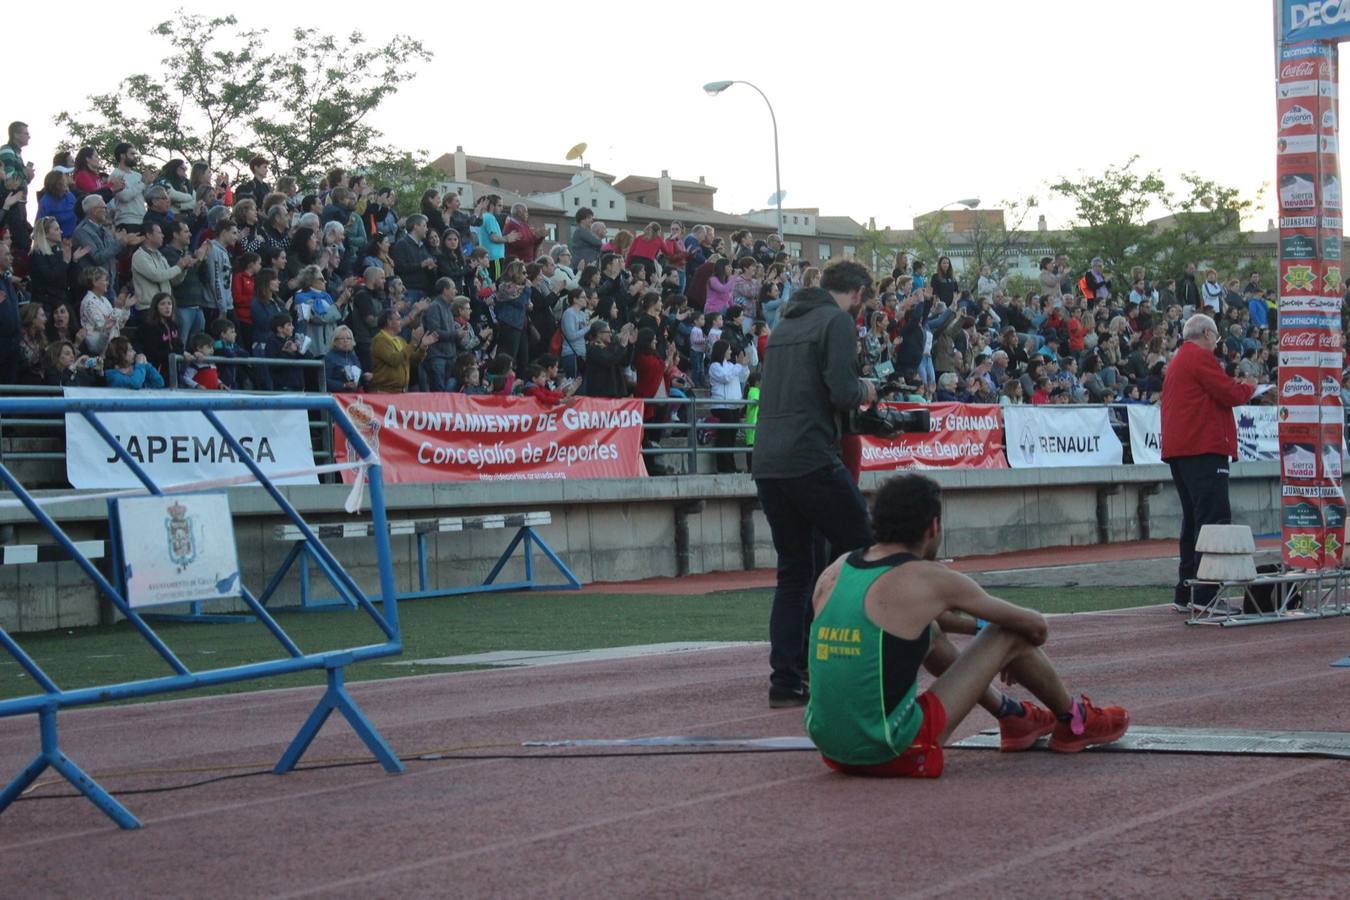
(1099, 726)
(1020, 732)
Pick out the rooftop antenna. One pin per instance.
(577, 153)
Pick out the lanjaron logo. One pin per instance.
(1296, 116)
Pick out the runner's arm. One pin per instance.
(961, 593)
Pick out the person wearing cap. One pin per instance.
(58, 200)
(257, 186)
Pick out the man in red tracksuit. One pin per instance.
(1199, 438)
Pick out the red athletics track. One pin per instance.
(1032, 825)
(1045, 557)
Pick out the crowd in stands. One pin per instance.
(110, 268)
(1081, 337)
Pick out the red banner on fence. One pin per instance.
(454, 437)
(961, 436)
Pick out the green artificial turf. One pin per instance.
(447, 626)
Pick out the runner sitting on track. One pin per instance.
(877, 612)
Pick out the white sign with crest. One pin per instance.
(178, 548)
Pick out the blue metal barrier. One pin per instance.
(53, 698)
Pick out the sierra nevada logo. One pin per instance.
(1296, 116)
(182, 545)
(1296, 191)
(1331, 281)
(1299, 278)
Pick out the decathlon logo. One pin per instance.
(1296, 116)
(1310, 15)
(1298, 386)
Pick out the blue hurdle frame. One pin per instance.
(526, 537)
(52, 698)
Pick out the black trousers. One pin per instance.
(511, 341)
(725, 438)
(804, 514)
(1202, 486)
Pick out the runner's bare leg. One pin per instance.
(942, 653)
(995, 650)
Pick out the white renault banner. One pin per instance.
(182, 447)
(1046, 436)
(1145, 434)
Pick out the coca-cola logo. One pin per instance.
(1293, 340)
(1292, 71)
(1306, 340)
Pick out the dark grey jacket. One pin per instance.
(440, 318)
(810, 380)
(585, 247)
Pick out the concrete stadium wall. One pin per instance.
(627, 530)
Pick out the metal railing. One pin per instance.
(697, 419)
(685, 430)
(52, 428)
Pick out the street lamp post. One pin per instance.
(968, 204)
(716, 87)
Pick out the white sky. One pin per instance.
(884, 109)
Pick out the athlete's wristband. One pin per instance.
(979, 625)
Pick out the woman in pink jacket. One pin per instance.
(719, 287)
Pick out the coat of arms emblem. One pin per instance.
(182, 544)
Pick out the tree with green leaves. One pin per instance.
(993, 241)
(931, 238)
(1130, 218)
(221, 96)
(197, 107)
(877, 248)
(409, 174)
(324, 92)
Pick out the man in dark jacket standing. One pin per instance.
(1188, 292)
(810, 381)
(1199, 438)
